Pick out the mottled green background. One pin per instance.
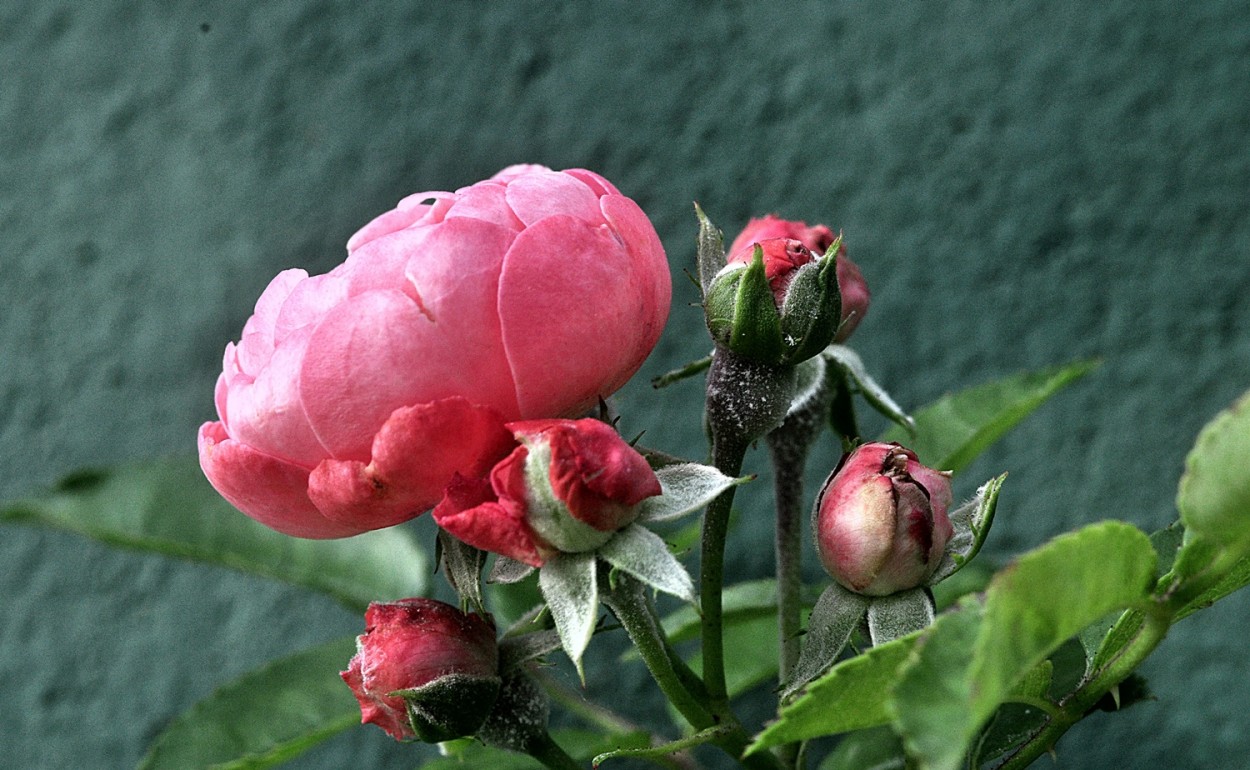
(1022, 184)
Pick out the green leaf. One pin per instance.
(265, 717)
(932, 700)
(875, 749)
(851, 696)
(1214, 501)
(1237, 576)
(956, 428)
(582, 745)
(967, 668)
(168, 507)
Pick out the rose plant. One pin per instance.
(451, 362)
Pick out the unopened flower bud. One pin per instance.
(425, 670)
(568, 487)
(774, 302)
(881, 520)
(818, 239)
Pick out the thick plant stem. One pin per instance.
(745, 400)
(1156, 621)
(712, 577)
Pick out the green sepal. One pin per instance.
(897, 615)
(452, 706)
(837, 615)
(570, 587)
(711, 254)
(742, 314)
(812, 309)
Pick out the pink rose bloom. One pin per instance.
(881, 520)
(568, 488)
(353, 397)
(817, 238)
(423, 653)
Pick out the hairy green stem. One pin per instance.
(788, 447)
(1155, 623)
(633, 608)
(728, 458)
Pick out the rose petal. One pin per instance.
(597, 184)
(267, 489)
(412, 209)
(415, 454)
(267, 412)
(488, 202)
(470, 511)
(598, 476)
(256, 342)
(576, 320)
(536, 196)
(648, 259)
(374, 353)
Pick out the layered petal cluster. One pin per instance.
(353, 397)
(568, 488)
(424, 669)
(817, 239)
(881, 520)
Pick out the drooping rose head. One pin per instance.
(817, 239)
(881, 520)
(353, 397)
(424, 669)
(568, 487)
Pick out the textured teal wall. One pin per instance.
(1022, 184)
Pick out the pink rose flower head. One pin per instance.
(881, 520)
(352, 398)
(424, 669)
(817, 239)
(568, 488)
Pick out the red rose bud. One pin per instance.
(424, 669)
(817, 239)
(881, 523)
(774, 303)
(568, 488)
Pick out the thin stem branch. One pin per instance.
(1156, 622)
(629, 602)
(549, 753)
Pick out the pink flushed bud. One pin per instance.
(817, 239)
(881, 520)
(568, 488)
(424, 670)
